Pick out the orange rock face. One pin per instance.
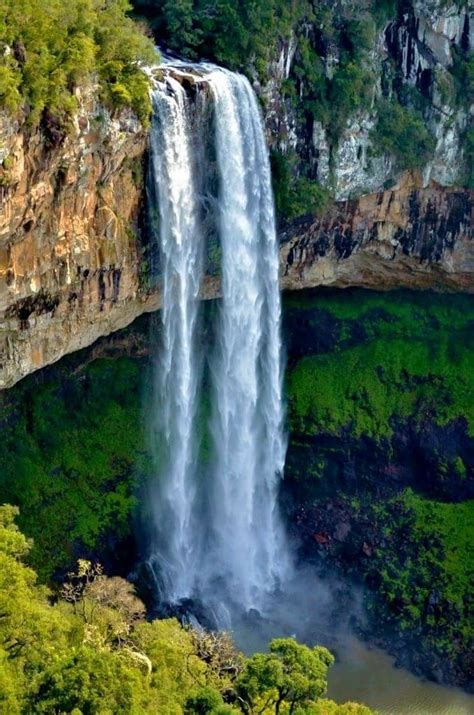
(408, 237)
(70, 256)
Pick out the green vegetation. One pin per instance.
(236, 33)
(295, 195)
(462, 71)
(423, 564)
(333, 99)
(90, 650)
(414, 360)
(379, 396)
(402, 133)
(48, 48)
(73, 456)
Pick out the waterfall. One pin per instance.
(177, 373)
(247, 424)
(218, 531)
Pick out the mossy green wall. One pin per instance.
(367, 372)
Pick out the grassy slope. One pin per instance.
(415, 360)
(71, 456)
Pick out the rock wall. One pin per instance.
(75, 275)
(412, 55)
(69, 256)
(410, 237)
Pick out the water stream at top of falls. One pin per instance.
(218, 536)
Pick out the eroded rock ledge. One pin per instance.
(72, 266)
(408, 237)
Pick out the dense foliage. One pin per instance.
(49, 47)
(381, 412)
(402, 133)
(295, 195)
(90, 650)
(236, 33)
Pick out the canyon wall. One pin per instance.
(75, 264)
(409, 237)
(69, 254)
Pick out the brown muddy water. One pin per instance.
(312, 611)
(368, 675)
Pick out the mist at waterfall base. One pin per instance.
(218, 542)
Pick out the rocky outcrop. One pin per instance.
(411, 56)
(69, 256)
(71, 264)
(406, 237)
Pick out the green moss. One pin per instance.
(413, 360)
(72, 457)
(424, 567)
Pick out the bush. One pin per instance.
(296, 196)
(402, 133)
(50, 47)
(351, 88)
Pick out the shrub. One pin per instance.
(296, 196)
(50, 47)
(402, 133)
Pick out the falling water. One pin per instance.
(173, 186)
(219, 535)
(248, 416)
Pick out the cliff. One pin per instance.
(69, 255)
(74, 273)
(409, 237)
(74, 265)
(333, 78)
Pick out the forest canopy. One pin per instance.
(89, 649)
(49, 47)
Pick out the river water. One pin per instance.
(368, 675)
(310, 609)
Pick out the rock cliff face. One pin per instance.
(74, 275)
(69, 256)
(413, 56)
(409, 237)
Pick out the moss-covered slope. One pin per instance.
(381, 460)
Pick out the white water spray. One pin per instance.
(177, 374)
(220, 537)
(248, 418)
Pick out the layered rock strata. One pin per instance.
(407, 237)
(71, 267)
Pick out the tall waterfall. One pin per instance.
(247, 425)
(218, 530)
(175, 192)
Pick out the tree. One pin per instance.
(207, 701)
(290, 675)
(402, 133)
